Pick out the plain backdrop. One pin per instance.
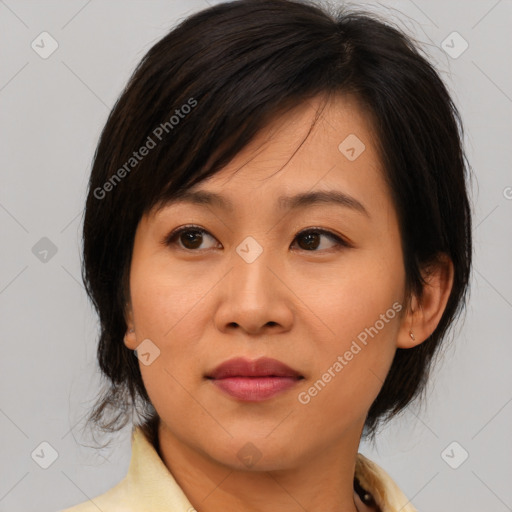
(453, 453)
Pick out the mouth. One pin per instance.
(254, 381)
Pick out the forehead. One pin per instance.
(322, 151)
(318, 134)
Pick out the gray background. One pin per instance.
(52, 112)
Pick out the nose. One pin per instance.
(255, 298)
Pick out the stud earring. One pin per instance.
(411, 334)
(131, 330)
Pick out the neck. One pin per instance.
(322, 483)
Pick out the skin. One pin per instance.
(304, 307)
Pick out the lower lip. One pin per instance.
(255, 389)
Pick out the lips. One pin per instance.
(255, 380)
(263, 367)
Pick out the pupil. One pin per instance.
(311, 240)
(189, 237)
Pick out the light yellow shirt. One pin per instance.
(150, 487)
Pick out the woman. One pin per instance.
(278, 228)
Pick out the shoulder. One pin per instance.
(115, 499)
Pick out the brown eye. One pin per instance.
(191, 239)
(311, 240)
(188, 237)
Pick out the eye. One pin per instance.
(312, 239)
(191, 237)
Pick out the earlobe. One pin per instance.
(130, 339)
(427, 310)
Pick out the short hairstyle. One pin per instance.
(205, 90)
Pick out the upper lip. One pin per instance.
(262, 367)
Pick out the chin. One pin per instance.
(255, 452)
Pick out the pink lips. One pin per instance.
(254, 381)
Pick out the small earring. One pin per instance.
(411, 334)
(131, 330)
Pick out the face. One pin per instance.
(316, 285)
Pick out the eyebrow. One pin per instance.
(202, 197)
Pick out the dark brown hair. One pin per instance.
(204, 91)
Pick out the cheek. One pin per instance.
(351, 368)
(360, 313)
(170, 310)
(166, 303)
(174, 321)
(358, 293)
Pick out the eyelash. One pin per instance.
(341, 243)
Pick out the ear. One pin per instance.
(426, 311)
(130, 339)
